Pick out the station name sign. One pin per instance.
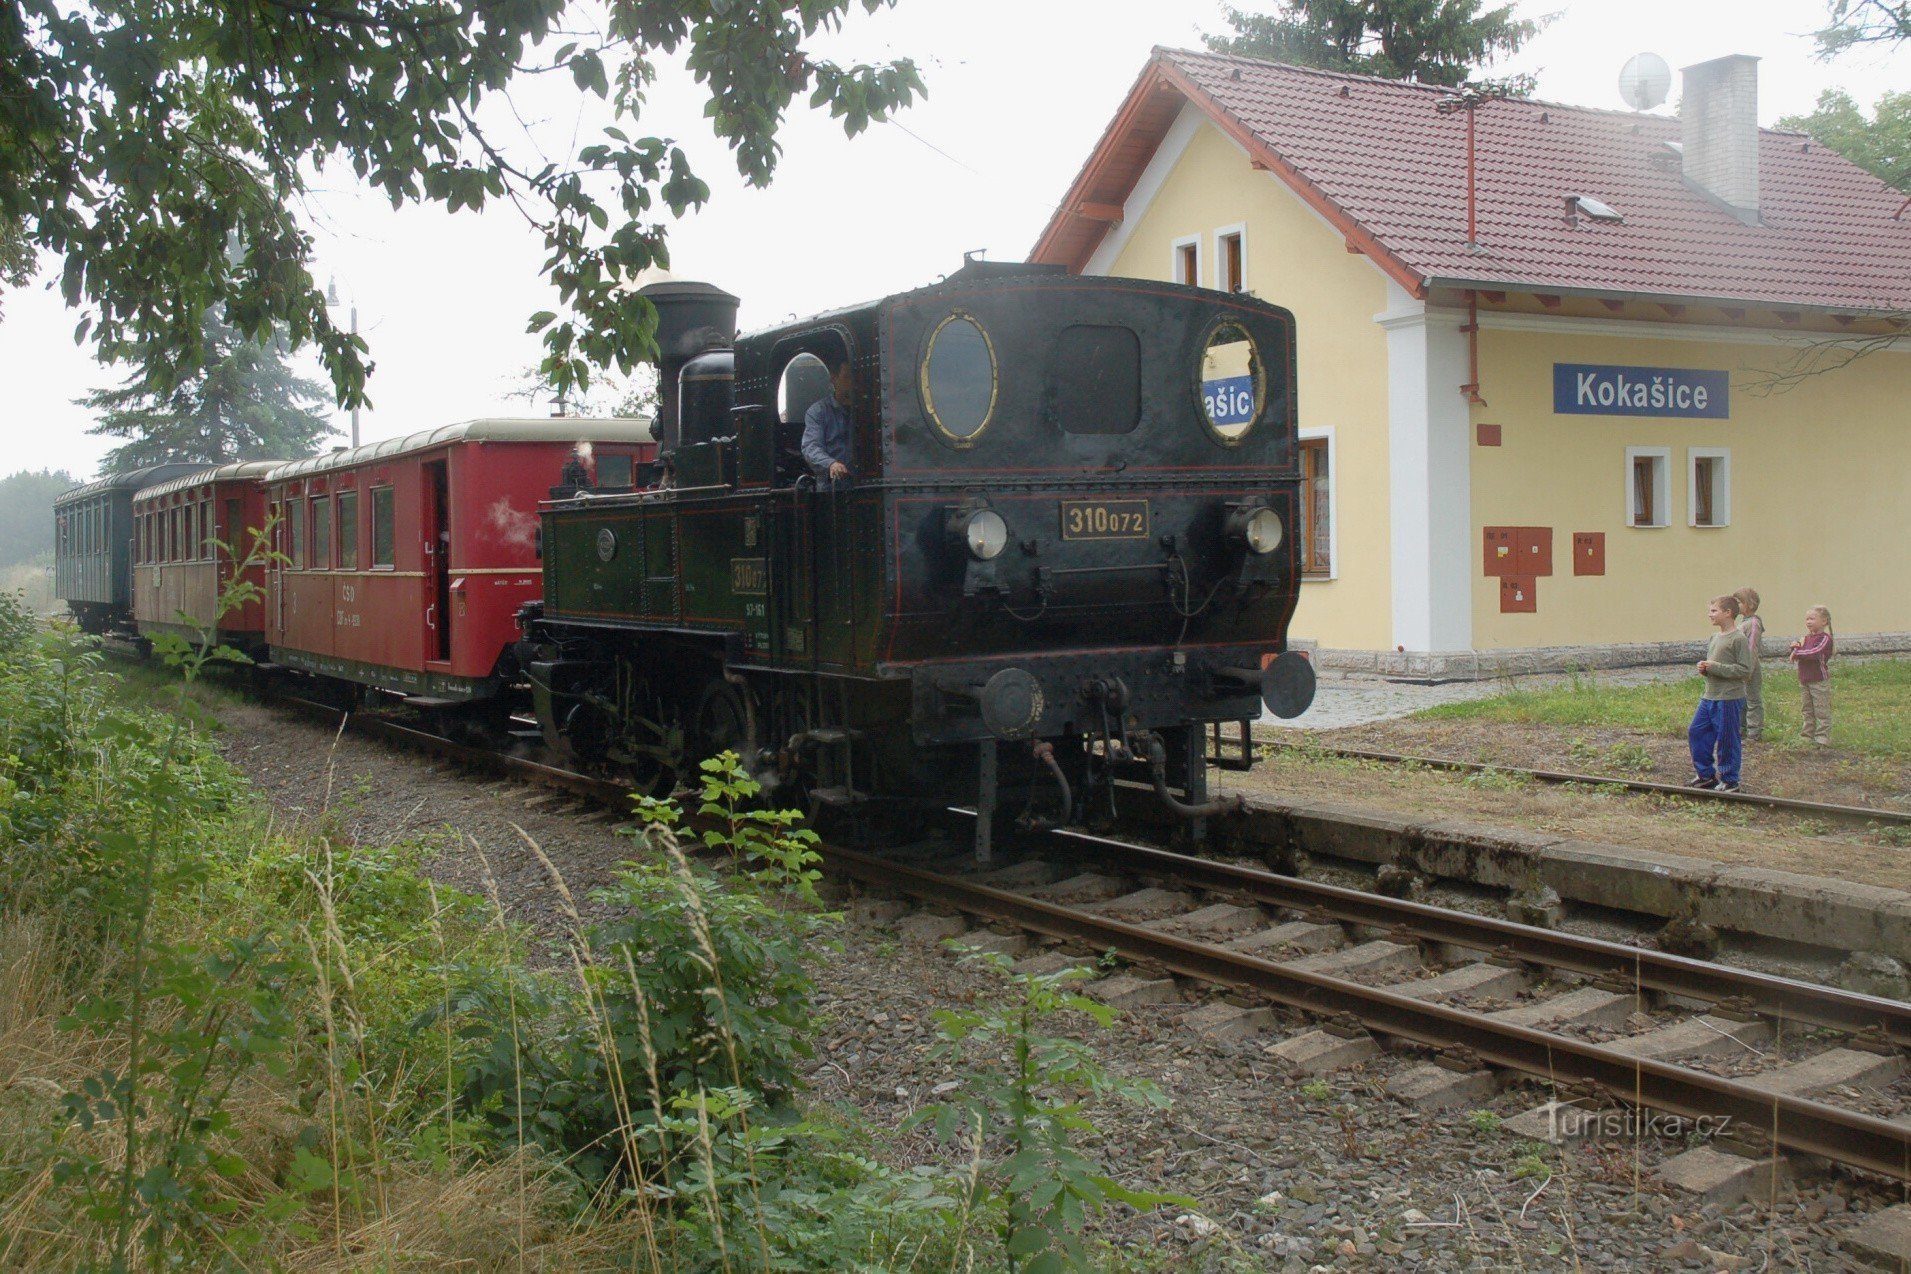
(1229, 400)
(1599, 389)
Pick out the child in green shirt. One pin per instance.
(1714, 733)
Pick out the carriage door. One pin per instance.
(275, 566)
(437, 533)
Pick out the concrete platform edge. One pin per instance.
(1740, 899)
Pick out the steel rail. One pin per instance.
(1862, 1141)
(1885, 1021)
(583, 786)
(1858, 1140)
(1789, 804)
(1783, 998)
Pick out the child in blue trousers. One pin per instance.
(1714, 734)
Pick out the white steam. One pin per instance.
(518, 530)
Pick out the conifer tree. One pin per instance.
(245, 403)
(1432, 41)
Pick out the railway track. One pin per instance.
(1492, 1000)
(1861, 814)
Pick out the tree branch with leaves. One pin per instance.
(158, 153)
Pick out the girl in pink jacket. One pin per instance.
(1812, 654)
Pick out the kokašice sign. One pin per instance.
(1599, 389)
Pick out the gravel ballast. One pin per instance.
(1287, 1174)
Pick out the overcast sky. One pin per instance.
(1019, 91)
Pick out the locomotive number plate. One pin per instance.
(1104, 519)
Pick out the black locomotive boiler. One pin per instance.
(1062, 555)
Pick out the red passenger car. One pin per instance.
(186, 534)
(406, 560)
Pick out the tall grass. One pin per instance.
(231, 1041)
(1871, 706)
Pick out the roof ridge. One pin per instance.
(1546, 103)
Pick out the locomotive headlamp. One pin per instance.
(1258, 527)
(984, 531)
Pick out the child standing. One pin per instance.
(1714, 733)
(1754, 629)
(1812, 654)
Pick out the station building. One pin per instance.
(1554, 398)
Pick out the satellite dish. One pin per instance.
(1644, 81)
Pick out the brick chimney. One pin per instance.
(1718, 121)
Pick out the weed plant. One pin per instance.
(231, 1042)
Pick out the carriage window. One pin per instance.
(1233, 384)
(235, 532)
(1094, 380)
(805, 381)
(207, 532)
(958, 379)
(297, 520)
(382, 538)
(613, 471)
(348, 530)
(322, 533)
(176, 535)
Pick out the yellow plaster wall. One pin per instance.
(1820, 494)
(1294, 260)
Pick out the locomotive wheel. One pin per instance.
(721, 723)
(651, 775)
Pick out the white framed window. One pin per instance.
(1319, 561)
(1648, 488)
(1184, 264)
(1708, 491)
(1230, 258)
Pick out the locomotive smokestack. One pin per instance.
(691, 318)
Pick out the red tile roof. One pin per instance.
(1389, 171)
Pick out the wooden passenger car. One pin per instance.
(405, 561)
(93, 546)
(189, 535)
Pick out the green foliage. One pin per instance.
(699, 984)
(1494, 779)
(1484, 1122)
(26, 513)
(1621, 757)
(241, 403)
(160, 153)
(76, 763)
(1532, 1162)
(1317, 1090)
(1432, 41)
(1881, 145)
(1019, 1114)
(1855, 22)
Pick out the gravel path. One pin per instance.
(1343, 700)
(1288, 1175)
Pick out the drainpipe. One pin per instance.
(1471, 390)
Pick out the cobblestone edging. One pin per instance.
(1476, 665)
(1812, 910)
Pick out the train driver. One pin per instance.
(826, 444)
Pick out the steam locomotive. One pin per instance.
(1061, 559)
